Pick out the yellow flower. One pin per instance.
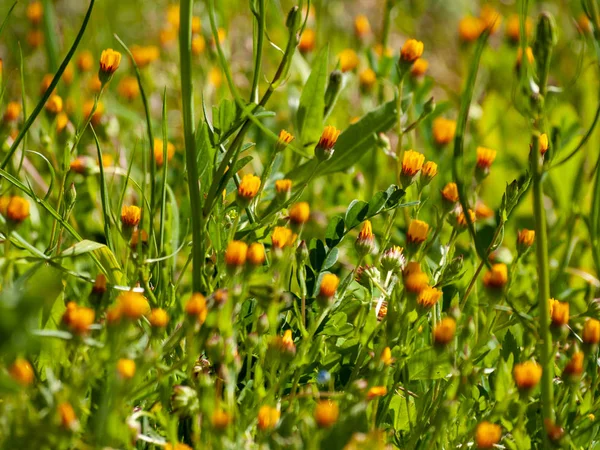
(178, 446)
(283, 186)
(450, 193)
(173, 15)
(109, 63)
(376, 391)
(248, 187)
(362, 27)
(129, 89)
(348, 60)
(428, 297)
(574, 367)
(485, 157)
(412, 162)
(85, 61)
(256, 254)
(487, 434)
(299, 213)
(282, 237)
(67, 76)
(307, 40)
(144, 55)
(527, 374)
(411, 50)
(62, 120)
(284, 139)
(77, 318)
(158, 318)
(543, 144)
(99, 287)
(326, 413)
(462, 220)
(419, 67)
(415, 282)
(198, 45)
(159, 151)
(54, 104)
(386, 356)
(513, 28)
(130, 215)
(13, 110)
(443, 333)
(591, 331)
(17, 209)
(490, 18)
(329, 137)
(528, 53)
(365, 240)
(68, 419)
(367, 79)
(35, 12)
(329, 284)
(126, 368)
(559, 312)
(268, 417)
(220, 419)
(526, 237)
(584, 24)
(443, 130)
(196, 306)
(417, 231)
(22, 372)
(469, 28)
(132, 305)
(88, 105)
(94, 85)
(287, 343)
(482, 211)
(235, 255)
(496, 277)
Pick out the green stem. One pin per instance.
(261, 19)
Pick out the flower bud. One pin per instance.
(324, 149)
(393, 259)
(366, 240)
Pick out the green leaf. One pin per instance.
(356, 213)
(335, 231)
(317, 254)
(81, 247)
(109, 263)
(331, 259)
(206, 156)
(312, 101)
(426, 364)
(356, 141)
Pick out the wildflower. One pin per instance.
(496, 277)
(129, 89)
(268, 417)
(17, 209)
(196, 307)
(287, 344)
(528, 53)
(62, 120)
(559, 312)
(173, 15)
(393, 259)
(198, 45)
(283, 140)
(178, 446)
(362, 27)
(470, 28)
(85, 61)
(329, 285)
(386, 356)
(525, 240)
(109, 63)
(126, 368)
(482, 211)
(282, 237)
(94, 85)
(135, 238)
(35, 12)
(490, 18)
(527, 375)
(54, 105)
(299, 213)
(67, 76)
(88, 107)
(574, 367)
(428, 297)
(130, 216)
(12, 112)
(35, 38)
(543, 144)
(235, 255)
(22, 372)
(99, 287)
(591, 331)
(326, 413)
(256, 254)
(584, 24)
(307, 41)
(324, 149)
(220, 419)
(376, 391)
(417, 232)
(132, 305)
(220, 297)
(348, 60)
(78, 318)
(159, 151)
(485, 158)
(382, 311)
(487, 434)
(414, 279)
(411, 51)
(365, 274)
(513, 28)
(379, 51)
(412, 162)
(461, 219)
(554, 432)
(366, 240)
(428, 172)
(283, 189)
(443, 130)
(367, 79)
(221, 35)
(68, 419)
(113, 315)
(419, 67)
(450, 195)
(144, 55)
(443, 333)
(248, 188)
(158, 318)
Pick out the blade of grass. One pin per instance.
(5, 21)
(103, 194)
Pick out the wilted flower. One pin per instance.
(443, 333)
(326, 413)
(527, 375)
(487, 434)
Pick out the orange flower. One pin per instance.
(490, 18)
(35, 12)
(513, 28)
(68, 419)
(443, 333)
(462, 220)
(469, 28)
(362, 27)
(574, 367)
(129, 89)
(386, 356)
(526, 237)
(443, 130)
(196, 306)
(496, 277)
(428, 297)
(485, 157)
(109, 63)
(411, 50)
(329, 284)
(559, 312)
(85, 61)
(130, 216)
(282, 237)
(126, 368)
(248, 187)
(450, 193)
(158, 318)
(348, 60)
(256, 254)
(17, 209)
(527, 375)
(326, 413)
(417, 231)
(13, 110)
(366, 240)
(78, 318)
(235, 255)
(487, 434)
(22, 372)
(367, 79)
(54, 105)
(198, 45)
(144, 55)
(329, 137)
(419, 67)
(307, 40)
(376, 391)
(412, 162)
(591, 331)
(299, 213)
(283, 186)
(132, 305)
(220, 419)
(284, 139)
(268, 417)
(543, 144)
(159, 151)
